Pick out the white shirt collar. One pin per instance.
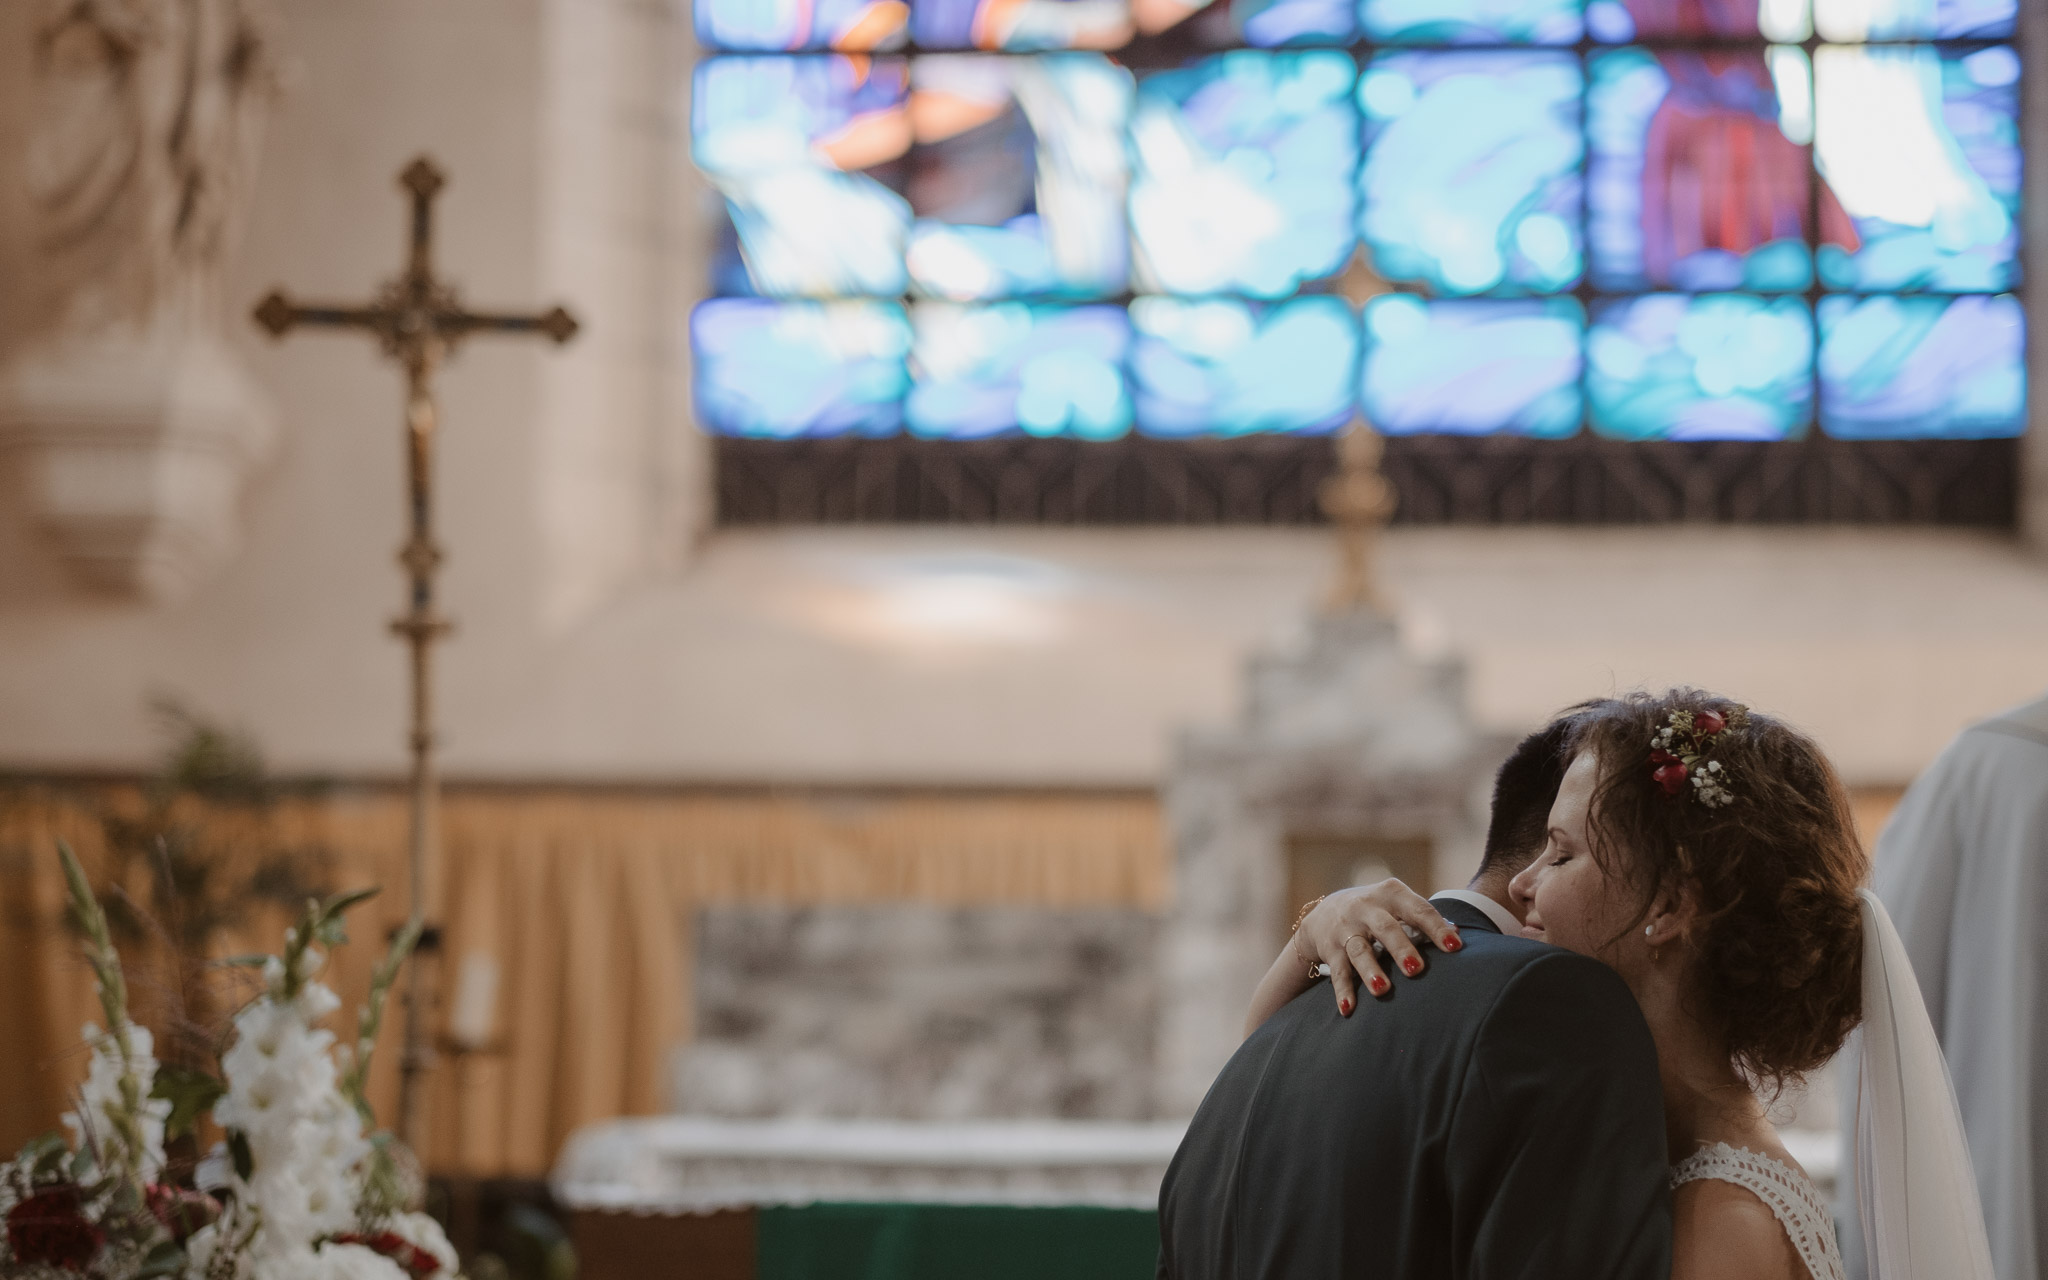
(1502, 918)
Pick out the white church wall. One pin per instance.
(618, 476)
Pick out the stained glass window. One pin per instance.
(1226, 367)
(1636, 219)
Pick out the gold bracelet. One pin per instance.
(1307, 907)
(1313, 965)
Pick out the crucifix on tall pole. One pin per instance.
(418, 320)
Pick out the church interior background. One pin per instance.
(866, 625)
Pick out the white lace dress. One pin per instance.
(1798, 1206)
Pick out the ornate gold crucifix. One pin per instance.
(419, 321)
(1359, 501)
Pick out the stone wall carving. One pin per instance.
(915, 1012)
(1349, 738)
(128, 418)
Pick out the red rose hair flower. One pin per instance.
(1681, 751)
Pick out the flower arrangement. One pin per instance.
(300, 1189)
(1680, 755)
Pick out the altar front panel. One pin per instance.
(871, 1242)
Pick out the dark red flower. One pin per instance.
(417, 1262)
(51, 1227)
(181, 1210)
(1661, 756)
(1671, 777)
(1708, 722)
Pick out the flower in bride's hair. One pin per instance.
(1708, 722)
(1671, 777)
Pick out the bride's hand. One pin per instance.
(1344, 925)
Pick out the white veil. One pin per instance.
(1916, 1191)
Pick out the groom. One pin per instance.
(1499, 1115)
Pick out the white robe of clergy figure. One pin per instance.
(1963, 869)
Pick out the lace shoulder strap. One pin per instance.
(1793, 1200)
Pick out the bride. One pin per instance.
(1705, 852)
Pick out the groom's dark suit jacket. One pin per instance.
(1499, 1115)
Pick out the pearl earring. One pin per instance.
(1649, 929)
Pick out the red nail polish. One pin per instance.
(1344, 1008)
(1452, 942)
(1379, 986)
(1411, 966)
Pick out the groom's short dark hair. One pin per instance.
(1524, 790)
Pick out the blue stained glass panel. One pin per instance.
(1471, 175)
(785, 140)
(1262, 24)
(1719, 367)
(1680, 21)
(788, 26)
(1903, 367)
(1021, 26)
(1008, 366)
(1242, 173)
(1922, 150)
(1472, 21)
(1472, 367)
(1018, 176)
(1270, 24)
(1699, 178)
(1852, 21)
(1227, 368)
(784, 369)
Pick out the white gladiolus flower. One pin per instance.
(199, 1249)
(305, 1141)
(351, 1262)
(102, 1100)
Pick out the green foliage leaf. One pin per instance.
(208, 759)
(83, 904)
(242, 962)
(81, 1164)
(383, 1183)
(328, 926)
(125, 1199)
(167, 1259)
(238, 1151)
(190, 1092)
(370, 1018)
(341, 902)
(540, 1246)
(92, 922)
(44, 1155)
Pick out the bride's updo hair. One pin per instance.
(1777, 946)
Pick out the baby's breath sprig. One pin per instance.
(1680, 751)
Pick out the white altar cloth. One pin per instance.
(692, 1164)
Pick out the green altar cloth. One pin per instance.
(897, 1241)
(955, 1242)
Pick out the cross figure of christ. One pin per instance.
(418, 320)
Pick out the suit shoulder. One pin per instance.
(1512, 959)
(1574, 995)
